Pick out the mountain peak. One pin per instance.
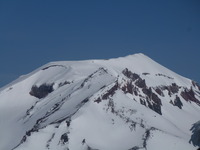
(124, 103)
(138, 55)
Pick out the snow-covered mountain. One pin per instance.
(127, 103)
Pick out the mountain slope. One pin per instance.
(127, 103)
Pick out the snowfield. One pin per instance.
(127, 103)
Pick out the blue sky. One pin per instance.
(33, 33)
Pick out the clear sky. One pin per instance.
(33, 33)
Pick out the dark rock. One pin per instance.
(152, 96)
(24, 138)
(166, 88)
(111, 91)
(68, 122)
(124, 89)
(159, 74)
(141, 83)
(29, 110)
(130, 75)
(128, 88)
(90, 148)
(155, 107)
(159, 91)
(145, 73)
(146, 136)
(174, 88)
(63, 83)
(189, 95)
(156, 99)
(41, 91)
(83, 141)
(156, 104)
(133, 76)
(134, 148)
(84, 101)
(64, 138)
(195, 138)
(135, 92)
(147, 92)
(28, 133)
(171, 102)
(111, 105)
(98, 100)
(34, 129)
(142, 102)
(108, 93)
(45, 68)
(177, 102)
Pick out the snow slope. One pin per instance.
(127, 103)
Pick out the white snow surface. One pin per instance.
(89, 110)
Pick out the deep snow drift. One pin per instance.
(128, 103)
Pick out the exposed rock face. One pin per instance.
(159, 91)
(189, 95)
(135, 77)
(143, 102)
(111, 91)
(155, 107)
(41, 91)
(64, 138)
(172, 89)
(130, 88)
(152, 99)
(154, 102)
(141, 83)
(130, 75)
(177, 102)
(195, 138)
(108, 93)
(152, 95)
